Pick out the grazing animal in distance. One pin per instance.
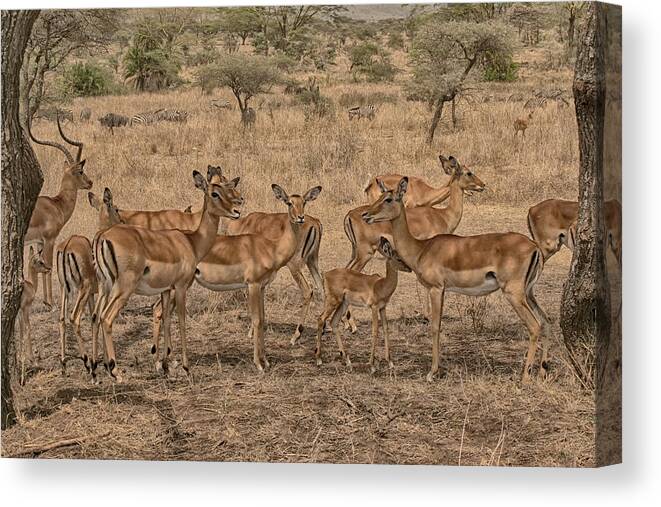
(248, 117)
(52, 114)
(359, 112)
(521, 124)
(221, 104)
(35, 265)
(146, 118)
(85, 114)
(172, 115)
(113, 120)
(344, 287)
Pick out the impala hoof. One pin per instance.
(430, 376)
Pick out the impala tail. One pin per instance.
(534, 269)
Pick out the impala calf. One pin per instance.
(252, 261)
(35, 266)
(345, 288)
(77, 275)
(471, 265)
(521, 124)
(51, 214)
(132, 259)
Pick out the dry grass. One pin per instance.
(477, 413)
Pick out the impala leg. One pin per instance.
(63, 328)
(313, 266)
(47, 255)
(116, 301)
(157, 316)
(96, 316)
(306, 292)
(180, 303)
(162, 360)
(386, 338)
(375, 337)
(517, 298)
(265, 361)
(77, 313)
(330, 306)
(437, 296)
(363, 256)
(545, 330)
(336, 331)
(254, 295)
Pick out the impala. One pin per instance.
(77, 274)
(345, 287)
(51, 214)
(272, 226)
(471, 265)
(132, 259)
(252, 261)
(424, 221)
(552, 223)
(35, 265)
(419, 193)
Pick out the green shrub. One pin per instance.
(500, 69)
(86, 80)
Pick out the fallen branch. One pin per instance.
(36, 449)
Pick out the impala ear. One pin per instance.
(214, 171)
(280, 193)
(200, 182)
(312, 194)
(401, 188)
(93, 200)
(189, 209)
(232, 183)
(107, 197)
(382, 187)
(447, 164)
(455, 165)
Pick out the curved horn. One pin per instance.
(52, 144)
(78, 144)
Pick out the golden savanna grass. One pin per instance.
(476, 413)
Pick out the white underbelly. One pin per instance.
(220, 287)
(488, 286)
(144, 289)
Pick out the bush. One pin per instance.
(86, 80)
(395, 40)
(371, 61)
(500, 69)
(381, 71)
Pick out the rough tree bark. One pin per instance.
(585, 309)
(21, 183)
(438, 111)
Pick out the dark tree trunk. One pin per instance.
(586, 318)
(21, 183)
(572, 28)
(434, 121)
(454, 112)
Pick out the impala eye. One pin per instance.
(215, 195)
(389, 199)
(469, 173)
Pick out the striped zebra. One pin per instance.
(368, 111)
(174, 115)
(248, 118)
(85, 114)
(147, 118)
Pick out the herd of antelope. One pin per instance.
(162, 253)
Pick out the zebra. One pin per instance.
(174, 115)
(368, 111)
(248, 117)
(85, 114)
(112, 120)
(147, 118)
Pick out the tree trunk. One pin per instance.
(572, 28)
(434, 121)
(454, 112)
(21, 183)
(586, 318)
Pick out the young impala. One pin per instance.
(77, 275)
(132, 259)
(35, 266)
(51, 214)
(345, 287)
(473, 266)
(252, 261)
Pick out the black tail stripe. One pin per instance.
(114, 258)
(75, 265)
(309, 240)
(105, 262)
(532, 268)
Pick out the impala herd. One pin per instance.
(162, 253)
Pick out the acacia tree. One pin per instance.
(21, 183)
(443, 56)
(241, 22)
(585, 305)
(56, 35)
(245, 75)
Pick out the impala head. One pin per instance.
(466, 178)
(295, 203)
(386, 249)
(389, 206)
(108, 213)
(217, 197)
(36, 261)
(74, 175)
(215, 175)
